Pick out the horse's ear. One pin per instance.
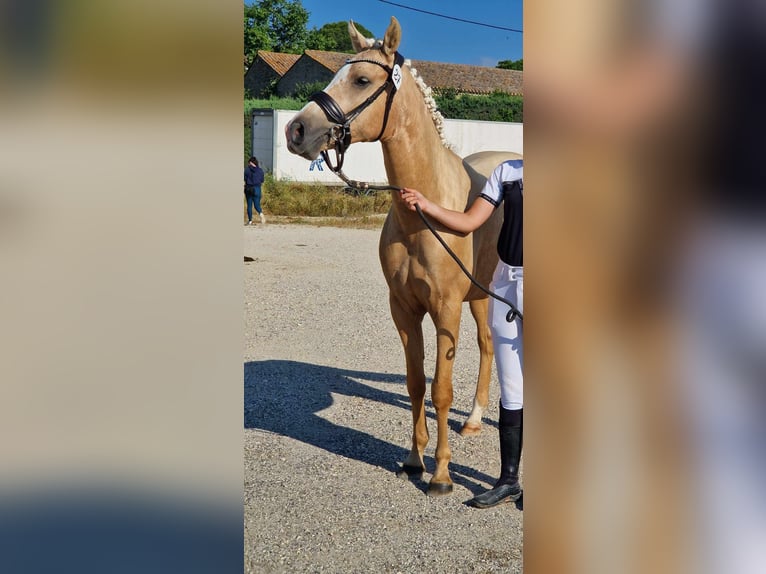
(358, 41)
(392, 38)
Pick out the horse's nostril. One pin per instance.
(297, 132)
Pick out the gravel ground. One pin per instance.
(327, 422)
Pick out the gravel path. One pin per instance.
(327, 422)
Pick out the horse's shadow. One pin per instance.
(274, 403)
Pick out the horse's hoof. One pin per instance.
(439, 488)
(470, 429)
(410, 472)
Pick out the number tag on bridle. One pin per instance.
(396, 76)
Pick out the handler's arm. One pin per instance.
(461, 221)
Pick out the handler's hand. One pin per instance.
(412, 197)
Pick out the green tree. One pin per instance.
(511, 64)
(274, 25)
(334, 37)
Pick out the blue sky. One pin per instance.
(427, 37)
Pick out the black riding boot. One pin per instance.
(507, 488)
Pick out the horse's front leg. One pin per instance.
(480, 310)
(447, 323)
(410, 327)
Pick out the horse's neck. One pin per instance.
(415, 157)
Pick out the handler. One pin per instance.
(505, 185)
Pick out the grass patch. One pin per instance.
(318, 204)
(317, 200)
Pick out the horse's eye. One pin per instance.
(362, 81)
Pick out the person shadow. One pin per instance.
(275, 404)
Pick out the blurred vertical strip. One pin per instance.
(25, 37)
(646, 319)
(120, 241)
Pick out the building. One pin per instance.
(286, 72)
(266, 70)
(312, 66)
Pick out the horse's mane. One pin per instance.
(436, 115)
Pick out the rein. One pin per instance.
(366, 187)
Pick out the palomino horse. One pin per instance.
(387, 101)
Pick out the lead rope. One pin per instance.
(366, 187)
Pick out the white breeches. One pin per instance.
(508, 283)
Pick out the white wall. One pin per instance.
(471, 136)
(364, 161)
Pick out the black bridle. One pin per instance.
(341, 131)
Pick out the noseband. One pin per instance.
(341, 131)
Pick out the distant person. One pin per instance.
(254, 177)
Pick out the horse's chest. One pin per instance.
(408, 272)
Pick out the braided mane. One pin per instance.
(436, 115)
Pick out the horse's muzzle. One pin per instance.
(295, 132)
(304, 141)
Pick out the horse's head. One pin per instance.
(354, 106)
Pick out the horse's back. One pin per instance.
(479, 166)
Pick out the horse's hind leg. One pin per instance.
(410, 327)
(479, 310)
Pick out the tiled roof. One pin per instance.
(469, 79)
(437, 75)
(330, 60)
(278, 62)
